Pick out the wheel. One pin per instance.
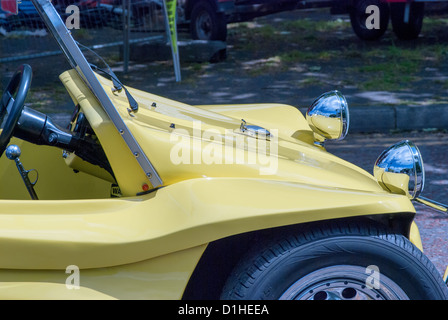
(12, 103)
(358, 19)
(5, 25)
(410, 30)
(206, 23)
(336, 262)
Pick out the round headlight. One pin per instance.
(400, 167)
(328, 116)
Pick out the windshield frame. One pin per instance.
(78, 61)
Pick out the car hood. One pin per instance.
(187, 142)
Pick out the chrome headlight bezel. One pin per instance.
(403, 158)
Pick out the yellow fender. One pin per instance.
(108, 232)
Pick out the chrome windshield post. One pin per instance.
(77, 60)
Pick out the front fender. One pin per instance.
(107, 232)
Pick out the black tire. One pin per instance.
(330, 262)
(206, 23)
(410, 30)
(5, 25)
(358, 17)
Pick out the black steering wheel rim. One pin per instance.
(14, 96)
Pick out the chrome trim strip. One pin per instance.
(77, 60)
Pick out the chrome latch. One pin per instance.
(254, 131)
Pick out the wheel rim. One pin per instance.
(204, 26)
(343, 282)
(360, 19)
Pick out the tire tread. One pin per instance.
(268, 251)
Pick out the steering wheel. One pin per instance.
(12, 102)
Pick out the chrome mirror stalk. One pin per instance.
(432, 204)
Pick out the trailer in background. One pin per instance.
(208, 19)
(406, 17)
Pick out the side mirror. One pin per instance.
(400, 167)
(328, 117)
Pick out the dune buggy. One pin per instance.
(145, 197)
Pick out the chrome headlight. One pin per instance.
(328, 117)
(399, 169)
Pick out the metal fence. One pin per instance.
(94, 23)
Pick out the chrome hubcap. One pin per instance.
(343, 282)
(203, 26)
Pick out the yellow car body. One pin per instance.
(146, 243)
